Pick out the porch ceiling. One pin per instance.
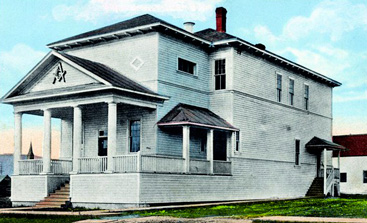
(184, 114)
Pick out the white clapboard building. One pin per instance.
(154, 114)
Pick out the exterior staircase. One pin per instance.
(57, 199)
(317, 188)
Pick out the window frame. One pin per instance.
(306, 98)
(364, 176)
(297, 154)
(102, 137)
(237, 140)
(291, 88)
(343, 177)
(195, 68)
(130, 137)
(222, 76)
(278, 90)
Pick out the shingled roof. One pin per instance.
(184, 114)
(213, 35)
(127, 24)
(108, 74)
(317, 143)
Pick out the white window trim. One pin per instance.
(196, 68)
(128, 134)
(300, 152)
(276, 87)
(213, 72)
(304, 87)
(294, 91)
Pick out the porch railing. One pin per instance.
(222, 167)
(93, 164)
(30, 167)
(61, 166)
(161, 164)
(126, 163)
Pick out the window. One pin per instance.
(203, 144)
(307, 92)
(291, 91)
(343, 177)
(186, 66)
(364, 176)
(279, 87)
(220, 74)
(102, 143)
(134, 136)
(237, 141)
(297, 150)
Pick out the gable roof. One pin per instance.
(356, 144)
(183, 114)
(106, 75)
(317, 143)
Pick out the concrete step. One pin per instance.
(59, 195)
(48, 199)
(56, 199)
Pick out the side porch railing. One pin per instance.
(134, 163)
(35, 166)
(332, 179)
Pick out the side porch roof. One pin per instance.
(184, 114)
(318, 144)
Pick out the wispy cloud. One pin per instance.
(332, 18)
(96, 9)
(16, 63)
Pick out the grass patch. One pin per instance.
(17, 218)
(313, 207)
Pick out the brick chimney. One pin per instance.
(221, 19)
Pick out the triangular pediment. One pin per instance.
(54, 72)
(60, 75)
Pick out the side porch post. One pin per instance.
(46, 148)
(77, 138)
(17, 141)
(325, 169)
(209, 153)
(112, 136)
(186, 148)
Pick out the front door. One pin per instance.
(318, 165)
(220, 145)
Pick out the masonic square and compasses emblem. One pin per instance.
(59, 74)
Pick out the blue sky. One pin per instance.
(326, 36)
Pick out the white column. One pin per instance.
(325, 168)
(209, 150)
(17, 141)
(186, 148)
(46, 147)
(339, 161)
(112, 135)
(77, 138)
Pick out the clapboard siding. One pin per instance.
(252, 179)
(95, 118)
(268, 130)
(105, 188)
(256, 76)
(34, 188)
(121, 53)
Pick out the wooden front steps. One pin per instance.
(317, 188)
(56, 199)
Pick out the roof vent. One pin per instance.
(189, 26)
(260, 46)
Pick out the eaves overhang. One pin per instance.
(126, 33)
(242, 44)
